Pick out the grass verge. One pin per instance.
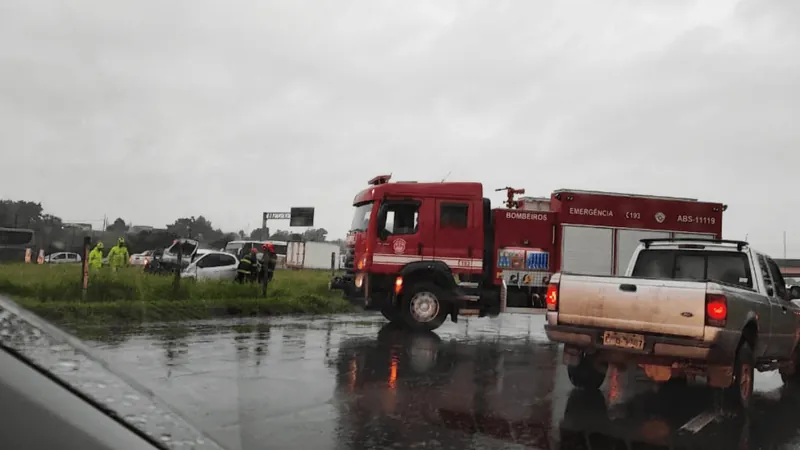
(54, 292)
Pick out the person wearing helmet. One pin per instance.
(268, 263)
(247, 266)
(96, 257)
(118, 255)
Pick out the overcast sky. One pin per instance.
(151, 110)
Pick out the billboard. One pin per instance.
(301, 217)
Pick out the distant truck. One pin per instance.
(685, 307)
(312, 255)
(14, 242)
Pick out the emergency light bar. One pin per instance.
(380, 179)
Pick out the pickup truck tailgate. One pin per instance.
(635, 304)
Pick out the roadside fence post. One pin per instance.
(176, 284)
(87, 242)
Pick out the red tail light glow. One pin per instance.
(716, 310)
(552, 297)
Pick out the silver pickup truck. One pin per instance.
(685, 308)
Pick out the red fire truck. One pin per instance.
(419, 252)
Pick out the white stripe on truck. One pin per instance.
(456, 263)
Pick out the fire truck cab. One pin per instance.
(419, 252)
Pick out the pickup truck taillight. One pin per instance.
(552, 297)
(716, 310)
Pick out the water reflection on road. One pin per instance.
(348, 382)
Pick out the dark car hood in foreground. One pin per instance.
(66, 358)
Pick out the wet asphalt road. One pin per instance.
(350, 382)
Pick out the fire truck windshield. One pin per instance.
(361, 217)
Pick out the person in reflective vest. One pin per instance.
(247, 266)
(118, 255)
(96, 256)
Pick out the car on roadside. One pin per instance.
(63, 258)
(212, 265)
(141, 259)
(685, 308)
(793, 284)
(187, 248)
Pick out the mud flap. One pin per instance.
(454, 313)
(720, 376)
(657, 373)
(456, 305)
(572, 356)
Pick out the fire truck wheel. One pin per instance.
(422, 307)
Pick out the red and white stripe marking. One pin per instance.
(454, 263)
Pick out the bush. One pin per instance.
(54, 291)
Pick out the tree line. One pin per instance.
(52, 234)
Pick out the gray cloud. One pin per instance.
(151, 110)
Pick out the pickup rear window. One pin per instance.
(725, 267)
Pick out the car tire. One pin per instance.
(588, 374)
(791, 375)
(740, 392)
(423, 307)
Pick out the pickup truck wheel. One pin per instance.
(422, 307)
(791, 374)
(740, 391)
(587, 374)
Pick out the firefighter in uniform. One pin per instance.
(247, 267)
(268, 263)
(267, 267)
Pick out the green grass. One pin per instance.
(54, 292)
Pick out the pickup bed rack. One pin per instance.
(739, 244)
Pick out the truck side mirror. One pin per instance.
(794, 293)
(383, 234)
(770, 291)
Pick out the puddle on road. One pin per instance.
(350, 382)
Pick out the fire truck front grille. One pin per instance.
(350, 261)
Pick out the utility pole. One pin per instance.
(784, 245)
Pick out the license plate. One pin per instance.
(624, 340)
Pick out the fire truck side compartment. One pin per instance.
(598, 231)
